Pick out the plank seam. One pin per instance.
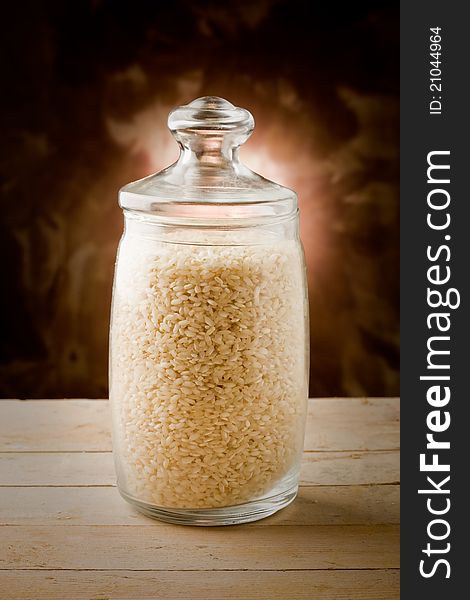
(35, 569)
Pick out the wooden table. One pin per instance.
(67, 534)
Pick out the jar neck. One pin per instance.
(214, 151)
(212, 233)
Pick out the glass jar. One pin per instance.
(209, 336)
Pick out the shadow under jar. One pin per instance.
(209, 332)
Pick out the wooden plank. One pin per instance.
(353, 424)
(180, 585)
(56, 468)
(84, 425)
(350, 468)
(165, 547)
(348, 505)
(89, 468)
(54, 425)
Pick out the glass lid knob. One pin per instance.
(211, 116)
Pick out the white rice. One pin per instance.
(208, 374)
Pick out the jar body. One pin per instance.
(209, 369)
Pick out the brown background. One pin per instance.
(88, 88)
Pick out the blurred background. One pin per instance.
(87, 89)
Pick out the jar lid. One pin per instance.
(208, 181)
